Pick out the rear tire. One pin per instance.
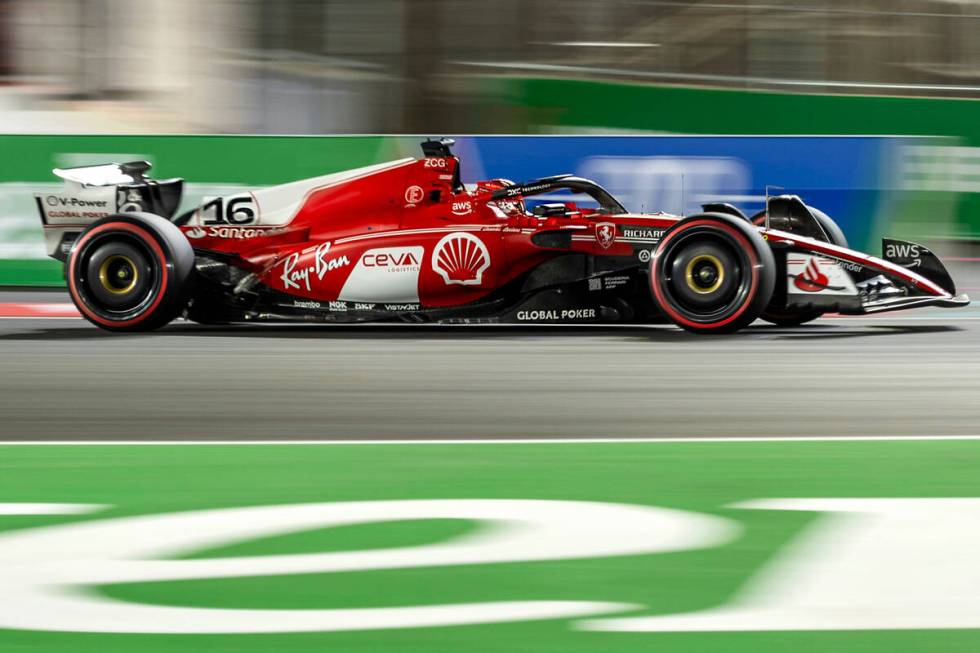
(130, 272)
(712, 273)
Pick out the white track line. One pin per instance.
(681, 440)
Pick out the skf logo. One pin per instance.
(461, 258)
(462, 208)
(605, 234)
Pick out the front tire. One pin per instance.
(130, 272)
(712, 273)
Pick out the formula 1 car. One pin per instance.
(407, 241)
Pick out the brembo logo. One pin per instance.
(461, 258)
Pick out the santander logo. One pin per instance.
(461, 258)
(811, 279)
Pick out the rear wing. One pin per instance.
(94, 192)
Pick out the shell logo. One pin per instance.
(461, 258)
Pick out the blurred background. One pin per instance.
(896, 68)
(468, 66)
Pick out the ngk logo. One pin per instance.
(462, 208)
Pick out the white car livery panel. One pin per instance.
(276, 206)
(91, 193)
(77, 204)
(385, 274)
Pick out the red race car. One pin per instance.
(406, 241)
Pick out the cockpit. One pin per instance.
(510, 197)
(542, 198)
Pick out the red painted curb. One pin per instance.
(66, 309)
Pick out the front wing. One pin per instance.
(820, 276)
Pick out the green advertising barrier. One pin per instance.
(492, 547)
(680, 110)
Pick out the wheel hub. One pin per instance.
(118, 274)
(704, 274)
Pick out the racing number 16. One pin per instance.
(238, 209)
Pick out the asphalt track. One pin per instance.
(914, 373)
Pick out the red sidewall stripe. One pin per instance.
(662, 299)
(155, 248)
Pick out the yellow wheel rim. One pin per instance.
(692, 282)
(118, 274)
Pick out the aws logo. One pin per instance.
(902, 250)
(906, 254)
(462, 208)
